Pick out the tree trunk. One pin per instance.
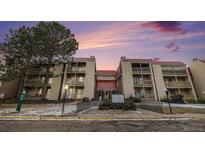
(21, 85)
(45, 85)
(22, 82)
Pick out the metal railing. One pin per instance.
(76, 69)
(178, 84)
(143, 83)
(75, 82)
(172, 72)
(141, 70)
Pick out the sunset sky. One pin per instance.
(108, 41)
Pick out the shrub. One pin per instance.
(201, 101)
(134, 99)
(85, 99)
(191, 101)
(117, 106)
(164, 99)
(130, 105)
(105, 106)
(178, 98)
(93, 99)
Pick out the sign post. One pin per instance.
(21, 99)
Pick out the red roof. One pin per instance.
(106, 72)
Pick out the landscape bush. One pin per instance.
(164, 99)
(201, 101)
(134, 99)
(177, 98)
(85, 99)
(105, 106)
(130, 104)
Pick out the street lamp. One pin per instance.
(65, 88)
(167, 94)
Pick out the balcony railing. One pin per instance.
(144, 83)
(75, 96)
(76, 70)
(180, 72)
(35, 82)
(178, 84)
(141, 70)
(75, 82)
(172, 72)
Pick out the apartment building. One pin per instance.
(135, 78)
(80, 78)
(78, 75)
(105, 84)
(146, 79)
(197, 68)
(174, 76)
(8, 89)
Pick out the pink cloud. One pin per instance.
(128, 34)
(165, 26)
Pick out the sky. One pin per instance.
(108, 41)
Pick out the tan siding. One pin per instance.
(160, 85)
(89, 85)
(55, 86)
(198, 72)
(127, 79)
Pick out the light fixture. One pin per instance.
(66, 87)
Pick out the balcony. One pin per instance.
(75, 96)
(75, 82)
(143, 83)
(76, 70)
(35, 83)
(180, 72)
(141, 70)
(178, 84)
(173, 73)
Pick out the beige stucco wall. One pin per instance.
(160, 85)
(89, 86)
(9, 88)
(55, 85)
(198, 72)
(127, 79)
(192, 86)
(153, 82)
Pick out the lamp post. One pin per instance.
(65, 88)
(167, 94)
